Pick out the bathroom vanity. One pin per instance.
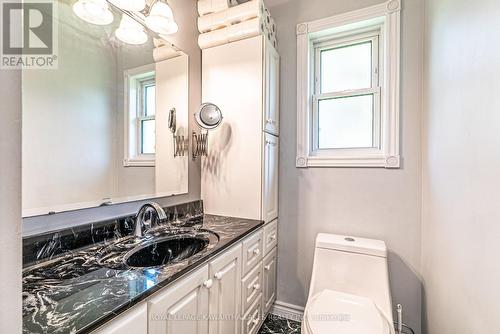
(227, 285)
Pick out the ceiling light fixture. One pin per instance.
(93, 11)
(161, 19)
(130, 31)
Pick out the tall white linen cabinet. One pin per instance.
(240, 172)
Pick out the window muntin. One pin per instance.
(346, 110)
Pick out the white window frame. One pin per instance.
(141, 114)
(135, 81)
(382, 22)
(374, 89)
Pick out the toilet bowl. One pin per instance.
(349, 291)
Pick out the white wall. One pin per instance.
(10, 201)
(461, 216)
(374, 203)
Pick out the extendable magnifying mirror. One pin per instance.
(208, 117)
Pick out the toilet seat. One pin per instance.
(341, 313)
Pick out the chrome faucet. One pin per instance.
(151, 208)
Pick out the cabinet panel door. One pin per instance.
(251, 287)
(270, 267)
(272, 79)
(134, 321)
(225, 294)
(253, 318)
(270, 186)
(183, 308)
(270, 236)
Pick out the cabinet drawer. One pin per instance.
(251, 287)
(252, 251)
(270, 236)
(252, 319)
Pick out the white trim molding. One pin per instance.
(386, 18)
(287, 311)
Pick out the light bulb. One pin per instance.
(93, 11)
(161, 19)
(130, 31)
(130, 5)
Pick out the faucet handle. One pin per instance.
(149, 215)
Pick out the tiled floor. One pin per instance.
(278, 325)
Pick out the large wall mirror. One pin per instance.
(109, 124)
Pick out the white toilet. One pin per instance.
(349, 292)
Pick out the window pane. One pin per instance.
(346, 122)
(150, 102)
(148, 137)
(346, 68)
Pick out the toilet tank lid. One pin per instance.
(351, 244)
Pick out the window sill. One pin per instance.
(377, 161)
(138, 163)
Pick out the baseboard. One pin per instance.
(287, 311)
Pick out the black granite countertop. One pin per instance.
(72, 293)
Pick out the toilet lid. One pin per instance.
(341, 313)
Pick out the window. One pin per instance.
(146, 116)
(140, 111)
(348, 89)
(346, 99)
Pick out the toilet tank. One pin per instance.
(352, 265)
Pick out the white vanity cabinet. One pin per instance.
(230, 294)
(225, 295)
(182, 308)
(240, 174)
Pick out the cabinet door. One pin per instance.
(134, 321)
(252, 251)
(271, 96)
(270, 186)
(270, 262)
(270, 236)
(225, 294)
(253, 318)
(251, 287)
(182, 308)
